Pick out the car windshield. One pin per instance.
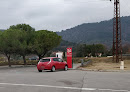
(44, 60)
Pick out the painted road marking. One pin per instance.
(49, 86)
(114, 90)
(61, 87)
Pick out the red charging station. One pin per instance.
(69, 57)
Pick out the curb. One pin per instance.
(16, 66)
(96, 70)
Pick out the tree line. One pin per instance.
(84, 50)
(22, 39)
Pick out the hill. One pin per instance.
(94, 33)
(65, 44)
(2, 29)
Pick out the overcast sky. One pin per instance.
(57, 15)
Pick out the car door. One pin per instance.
(61, 64)
(56, 63)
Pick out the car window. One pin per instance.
(55, 59)
(44, 60)
(60, 60)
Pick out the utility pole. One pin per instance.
(117, 45)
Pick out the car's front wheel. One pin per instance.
(53, 69)
(66, 68)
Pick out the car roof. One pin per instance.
(49, 57)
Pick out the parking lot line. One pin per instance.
(49, 86)
(113, 90)
(62, 87)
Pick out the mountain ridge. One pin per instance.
(94, 33)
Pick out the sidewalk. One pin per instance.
(76, 65)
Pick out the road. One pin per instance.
(28, 79)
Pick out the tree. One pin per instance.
(81, 50)
(100, 48)
(25, 38)
(9, 41)
(24, 27)
(126, 48)
(44, 41)
(88, 50)
(94, 49)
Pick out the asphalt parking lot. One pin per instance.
(28, 79)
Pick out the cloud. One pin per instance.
(57, 15)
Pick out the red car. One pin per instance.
(51, 63)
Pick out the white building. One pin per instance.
(59, 54)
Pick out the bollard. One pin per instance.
(122, 65)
